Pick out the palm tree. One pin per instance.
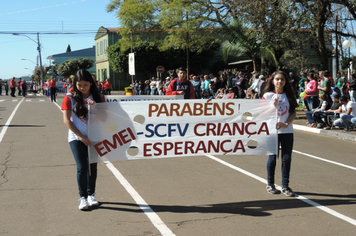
(241, 41)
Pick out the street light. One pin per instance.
(348, 44)
(29, 60)
(38, 48)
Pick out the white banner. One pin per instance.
(171, 128)
(124, 98)
(132, 63)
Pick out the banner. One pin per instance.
(122, 98)
(171, 128)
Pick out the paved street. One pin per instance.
(190, 196)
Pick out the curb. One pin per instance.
(340, 135)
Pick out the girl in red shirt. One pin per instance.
(75, 117)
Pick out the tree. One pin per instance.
(71, 66)
(240, 41)
(173, 24)
(68, 48)
(148, 57)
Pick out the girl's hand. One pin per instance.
(85, 140)
(280, 125)
(275, 102)
(90, 101)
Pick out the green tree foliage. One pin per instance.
(169, 25)
(187, 24)
(71, 66)
(240, 41)
(148, 57)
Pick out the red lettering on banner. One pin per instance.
(166, 148)
(146, 149)
(113, 145)
(264, 128)
(98, 149)
(239, 146)
(159, 151)
(228, 129)
(176, 148)
(188, 146)
(118, 139)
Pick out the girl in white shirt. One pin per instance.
(279, 89)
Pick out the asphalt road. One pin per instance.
(204, 195)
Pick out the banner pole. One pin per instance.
(89, 138)
(277, 129)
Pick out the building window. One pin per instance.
(97, 49)
(105, 46)
(101, 47)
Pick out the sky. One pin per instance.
(53, 20)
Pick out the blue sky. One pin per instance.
(50, 16)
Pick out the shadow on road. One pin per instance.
(24, 126)
(250, 208)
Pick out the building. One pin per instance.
(82, 53)
(103, 39)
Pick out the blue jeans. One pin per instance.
(353, 120)
(352, 95)
(310, 116)
(338, 123)
(301, 90)
(286, 143)
(346, 119)
(86, 182)
(312, 102)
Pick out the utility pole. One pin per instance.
(39, 52)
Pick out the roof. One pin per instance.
(86, 52)
(104, 31)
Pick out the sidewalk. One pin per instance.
(300, 123)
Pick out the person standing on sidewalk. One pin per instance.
(6, 86)
(19, 86)
(52, 88)
(13, 86)
(280, 90)
(181, 86)
(75, 117)
(24, 88)
(108, 87)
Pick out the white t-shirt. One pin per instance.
(283, 110)
(351, 105)
(153, 85)
(81, 124)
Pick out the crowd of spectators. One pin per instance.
(328, 102)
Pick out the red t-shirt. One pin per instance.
(107, 85)
(52, 84)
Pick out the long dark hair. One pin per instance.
(287, 89)
(79, 108)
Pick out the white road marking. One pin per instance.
(2, 100)
(154, 218)
(28, 100)
(15, 100)
(4, 129)
(304, 199)
(326, 160)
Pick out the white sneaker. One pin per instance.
(83, 204)
(92, 200)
